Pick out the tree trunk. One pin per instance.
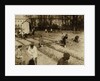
(74, 29)
(74, 23)
(62, 19)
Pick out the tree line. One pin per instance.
(68, 22)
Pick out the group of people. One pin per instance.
(65, 39)
(46, 31)
(32, 53)
(22, 34)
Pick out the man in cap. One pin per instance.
(19, 56)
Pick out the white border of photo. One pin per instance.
(88, 69)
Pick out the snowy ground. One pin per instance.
(53, 51)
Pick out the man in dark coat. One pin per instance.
(64, 59)
(65, 40)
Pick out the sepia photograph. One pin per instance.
(49, 39)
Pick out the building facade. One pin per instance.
(22, 23)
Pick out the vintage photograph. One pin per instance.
(49, 39)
